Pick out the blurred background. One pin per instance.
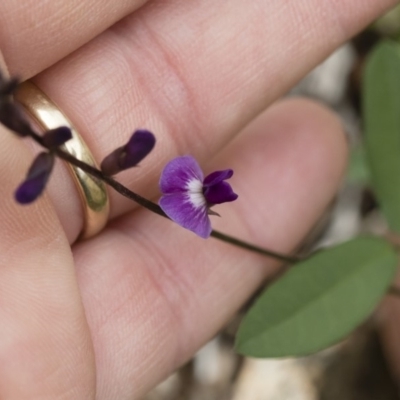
(355, 369)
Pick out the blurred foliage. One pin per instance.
(325, 297)
(381, 100)
(389, 24)
(358, 171)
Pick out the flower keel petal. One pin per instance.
(220, 193)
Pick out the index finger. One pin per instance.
(35, 35)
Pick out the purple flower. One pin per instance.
(36, 179)
(187, 196)
(139, 145)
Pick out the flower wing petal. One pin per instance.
(178, 173)
(217, 176)
(181, 210)
(220, 193)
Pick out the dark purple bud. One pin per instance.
(12, 117)
(36, 179)
(3, 79)
(8, 86)
(140, 144)
(57, 137)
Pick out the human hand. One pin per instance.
(111, 316)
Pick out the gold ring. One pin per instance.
(92, 191)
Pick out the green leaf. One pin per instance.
(358, 171)
(381, 97)
(319, 301)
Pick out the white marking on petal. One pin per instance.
(195, 193)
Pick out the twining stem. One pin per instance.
(256, 249)
(394, 291)
(124, 191)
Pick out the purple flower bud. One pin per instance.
(36, 179)
(8, 86)
(56, 137)
(140, 144)
(12, 117)
(187, 196)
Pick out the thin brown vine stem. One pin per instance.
(124, 191)
(256, 249)
(394, 291)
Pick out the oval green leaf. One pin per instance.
(319, 301)
(381, 100)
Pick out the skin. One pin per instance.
(110, 317)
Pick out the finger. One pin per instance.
(35, 35)
(154, 293)
(194, 73)
(45, 346)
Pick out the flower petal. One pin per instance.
(178, 173)
(217, 176)
(180, 209)
(220, 193)
(36, 179)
